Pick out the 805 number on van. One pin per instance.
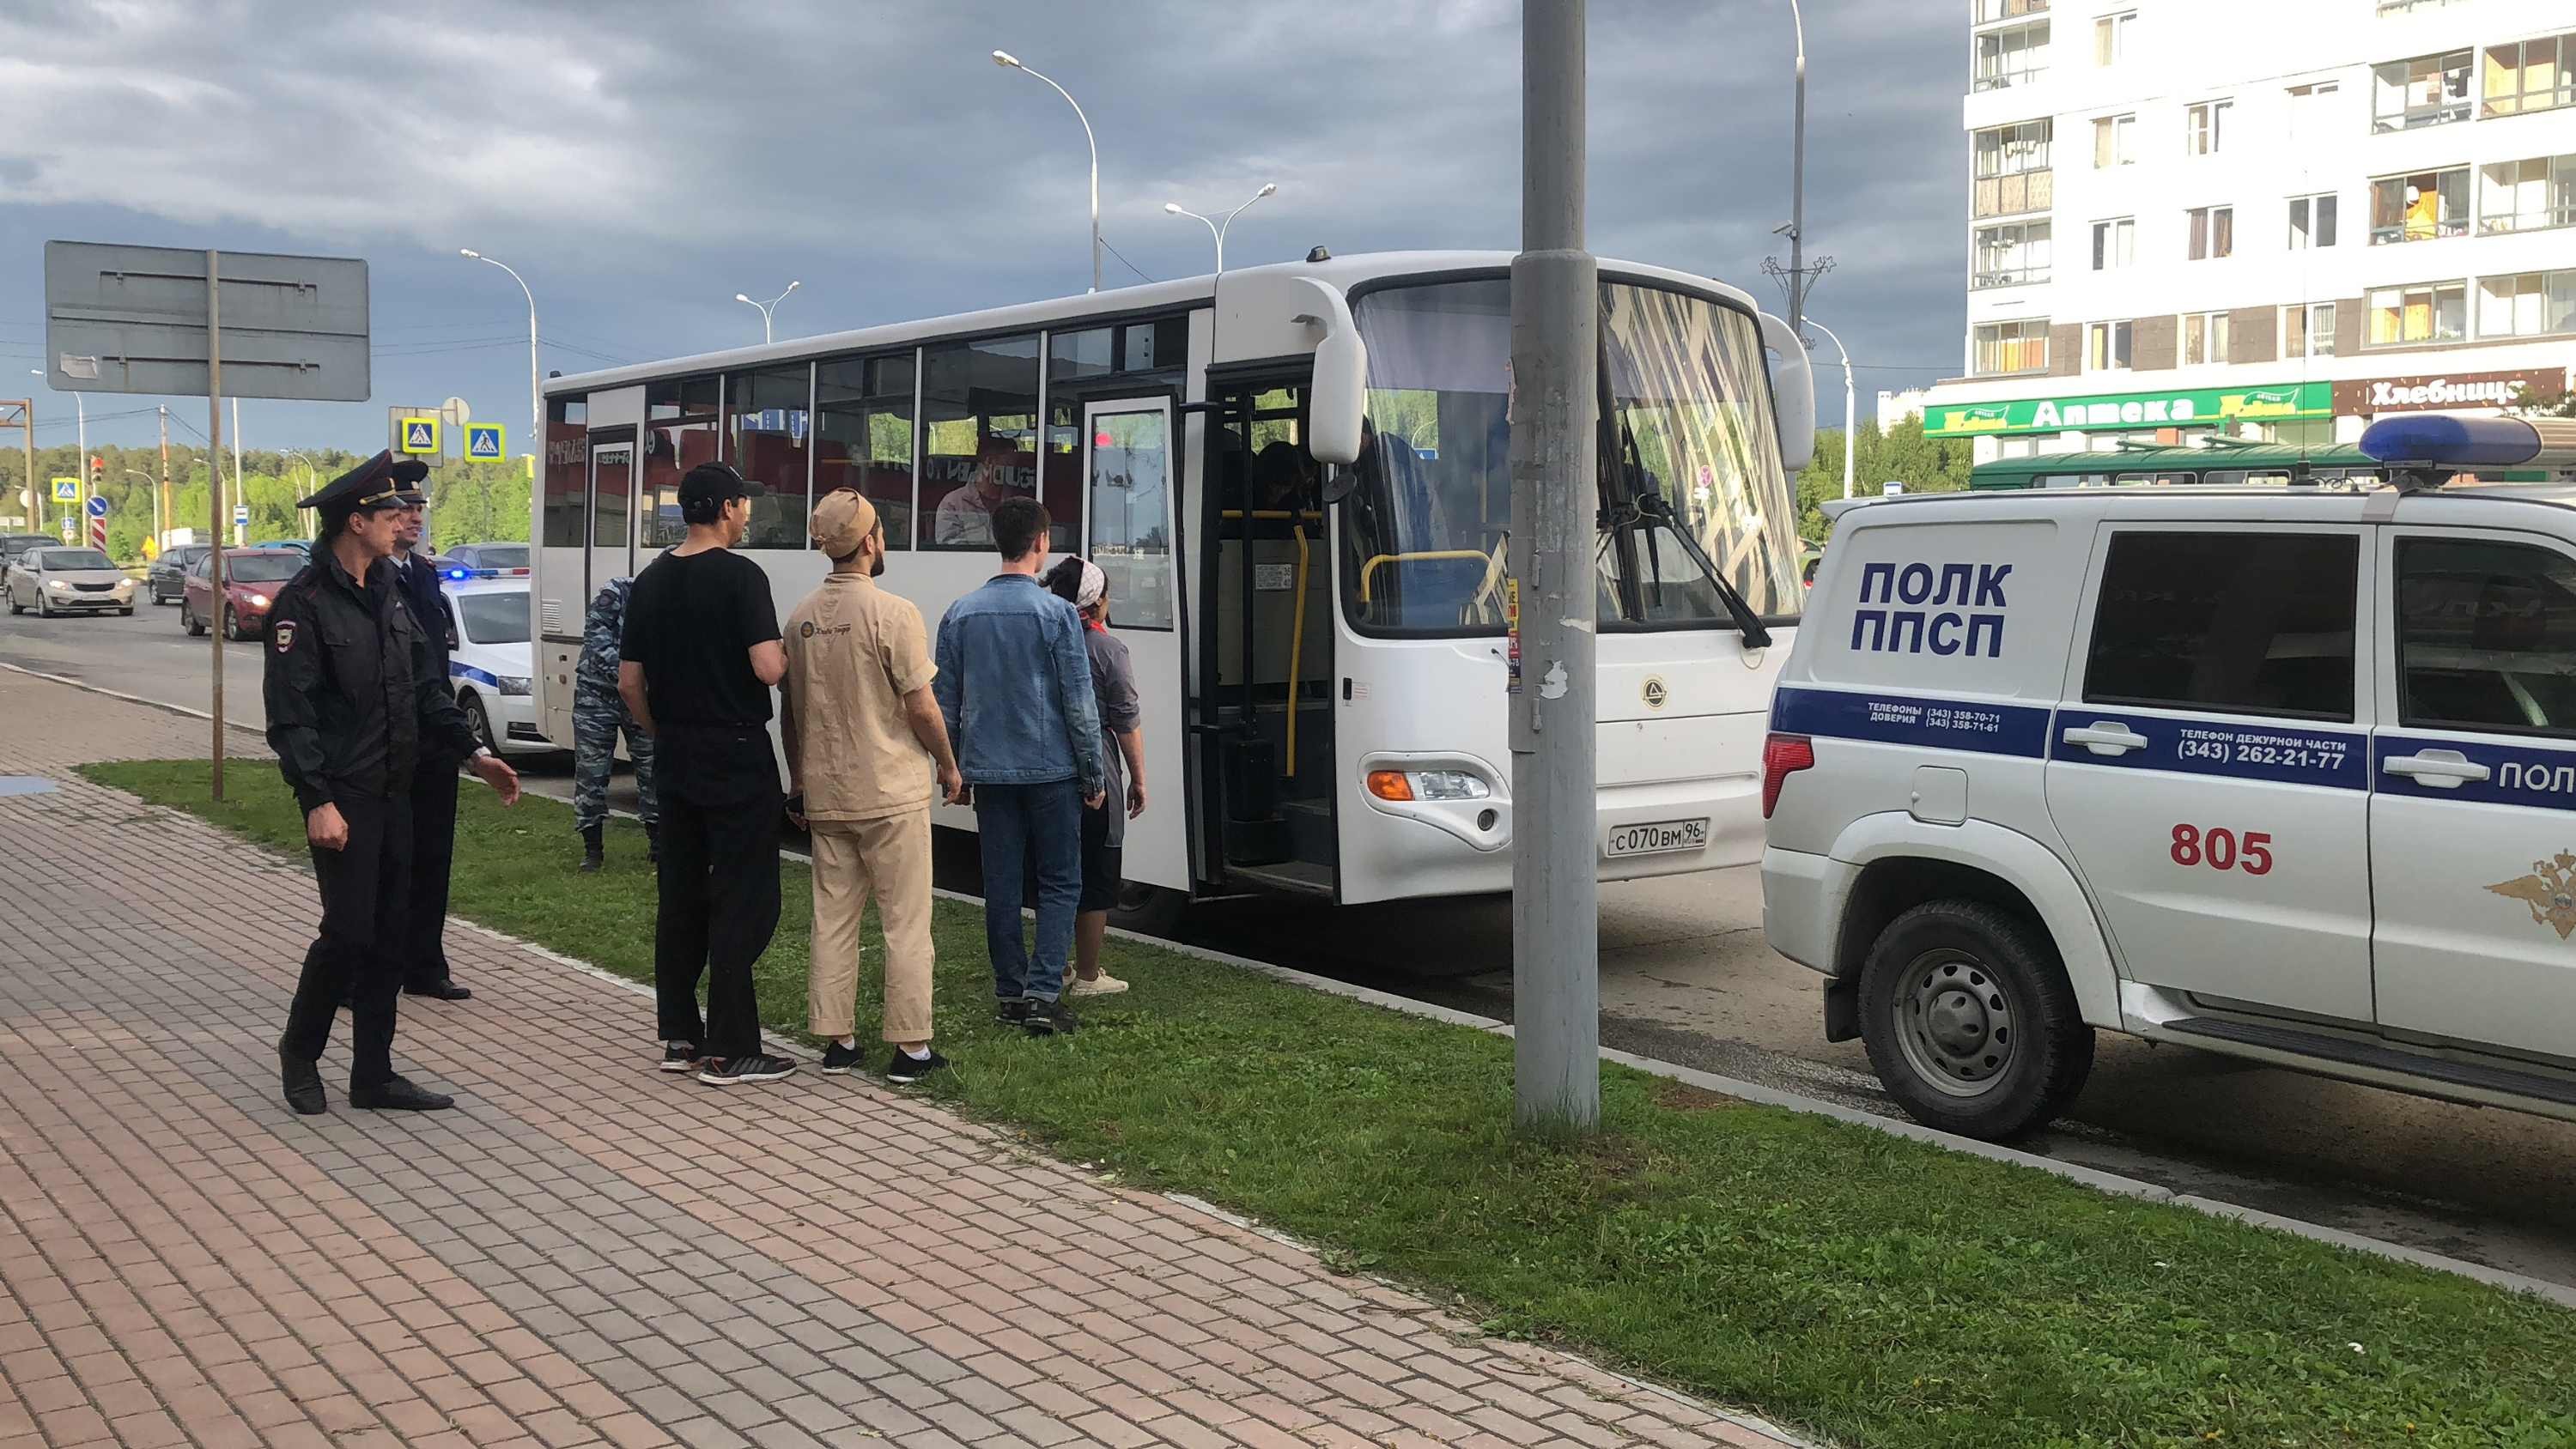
(2220, 848)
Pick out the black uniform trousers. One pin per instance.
(718, 880)
(433, 851)
(363, 888)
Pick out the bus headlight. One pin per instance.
(1404, 785)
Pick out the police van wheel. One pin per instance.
(479, 721)
(1970, 1022)
(1148, 910)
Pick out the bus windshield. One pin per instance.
(1693, 501)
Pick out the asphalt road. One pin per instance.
(1687, 978)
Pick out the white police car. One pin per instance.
(2282, 773)
(492, 659)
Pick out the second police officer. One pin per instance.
(355, 698)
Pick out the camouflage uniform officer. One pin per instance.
(597, 717)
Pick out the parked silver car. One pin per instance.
(68, 581)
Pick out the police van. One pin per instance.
(2279, 772)
(491, 658)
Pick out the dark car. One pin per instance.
(251, 580)
(468, 560)
(14, 544)
(166, 579)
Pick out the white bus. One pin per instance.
(1295, 478)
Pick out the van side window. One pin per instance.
(2235, 623)
(2486, 636)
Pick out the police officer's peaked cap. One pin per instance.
(383, 481)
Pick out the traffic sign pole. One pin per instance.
(215, 499)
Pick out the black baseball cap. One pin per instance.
(716, 483)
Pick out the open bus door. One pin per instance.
(1131, 476)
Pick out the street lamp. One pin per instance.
(81, 411)
(1850, 403)
(312, 475)
(766, 307)
(1176, 209)
(1798, 189)
(536, 403)
(1008, 61)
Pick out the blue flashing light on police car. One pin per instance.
(2437, 441)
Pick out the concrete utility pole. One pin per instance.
(1798, 183)
(1556, 1044)
(163, 512)
(215, 500)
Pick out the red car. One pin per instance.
(252, 577)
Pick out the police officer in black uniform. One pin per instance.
(353, 696)
(433, 790)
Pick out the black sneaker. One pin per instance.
(906, 1068)
(1011, 1013)
(679, 1056)
(838, 1059)
(1051, 1018)
(725, 1071)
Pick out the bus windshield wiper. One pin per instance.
(1644, 509)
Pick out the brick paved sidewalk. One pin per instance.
(589, 1250)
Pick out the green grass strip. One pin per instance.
(1873, 1290)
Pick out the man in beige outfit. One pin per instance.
(864, 740)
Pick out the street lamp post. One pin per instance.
(1008, 61)
(1798, 182)
(1215, 230)
(767, 307)
(80, 465)
(536, 402)
(312, 475)
(1851, 404)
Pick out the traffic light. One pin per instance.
(97, 476)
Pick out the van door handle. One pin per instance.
(2105, 737)
(2441, 769)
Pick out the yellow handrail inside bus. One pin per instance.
(1272, 513)
(1370, 567)
(1296, 650)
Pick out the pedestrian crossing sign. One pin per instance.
(420, 435)
(483, 440)
(67, 490)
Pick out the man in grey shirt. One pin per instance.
(1080, 583)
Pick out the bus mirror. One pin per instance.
(1339, 391)
(1340, 481)
(1793, 394)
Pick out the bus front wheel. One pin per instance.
(1148, 910)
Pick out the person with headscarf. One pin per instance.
(1080, 582)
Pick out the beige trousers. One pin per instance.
(889, 856)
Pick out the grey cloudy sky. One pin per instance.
(640, 163)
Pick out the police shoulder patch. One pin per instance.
(283, 632)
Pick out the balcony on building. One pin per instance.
(2012, 169)
(2533, 194)
(2423, 90)
(2011, 55)
(2419, 206)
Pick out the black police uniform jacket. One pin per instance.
(356, 687)
(437, 617)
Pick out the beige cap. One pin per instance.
(842, 521)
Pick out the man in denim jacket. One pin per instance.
(1014, 684)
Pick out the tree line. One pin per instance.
(1901, 453)
(469, 501)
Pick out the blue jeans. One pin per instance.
(1041, 824)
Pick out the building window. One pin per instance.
(2531, 75)
(2310, 108)
(2111, 37)
(2307, 330)
(2015, 55)
(2419, 207)
(2535, 304)
(2204, 126)
(2424, 312)
(2114, 243)
(2012, 254)
(2106, 347)
(2012, 168)
(1990, 10)
(2424, 91)
(2112, 141)
(2204, 338)
(2312, 221)
(2527, 195)
(2003, 347)
(2213, 232)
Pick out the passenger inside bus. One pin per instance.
(965, 514)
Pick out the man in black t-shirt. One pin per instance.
(695, 667)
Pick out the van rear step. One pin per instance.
(2344, 1052)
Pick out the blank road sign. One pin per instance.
(420, 435)
(483, 440)
(133, 319)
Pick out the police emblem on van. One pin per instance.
(2548, 891)
(1656, 691)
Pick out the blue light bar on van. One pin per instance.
(2447, 442)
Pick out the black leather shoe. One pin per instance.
(443, 991)
(303, 1082)
(398, 1095)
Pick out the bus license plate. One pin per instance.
(1659, 836)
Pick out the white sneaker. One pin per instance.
(1106, 985)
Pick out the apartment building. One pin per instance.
(2273, 219)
